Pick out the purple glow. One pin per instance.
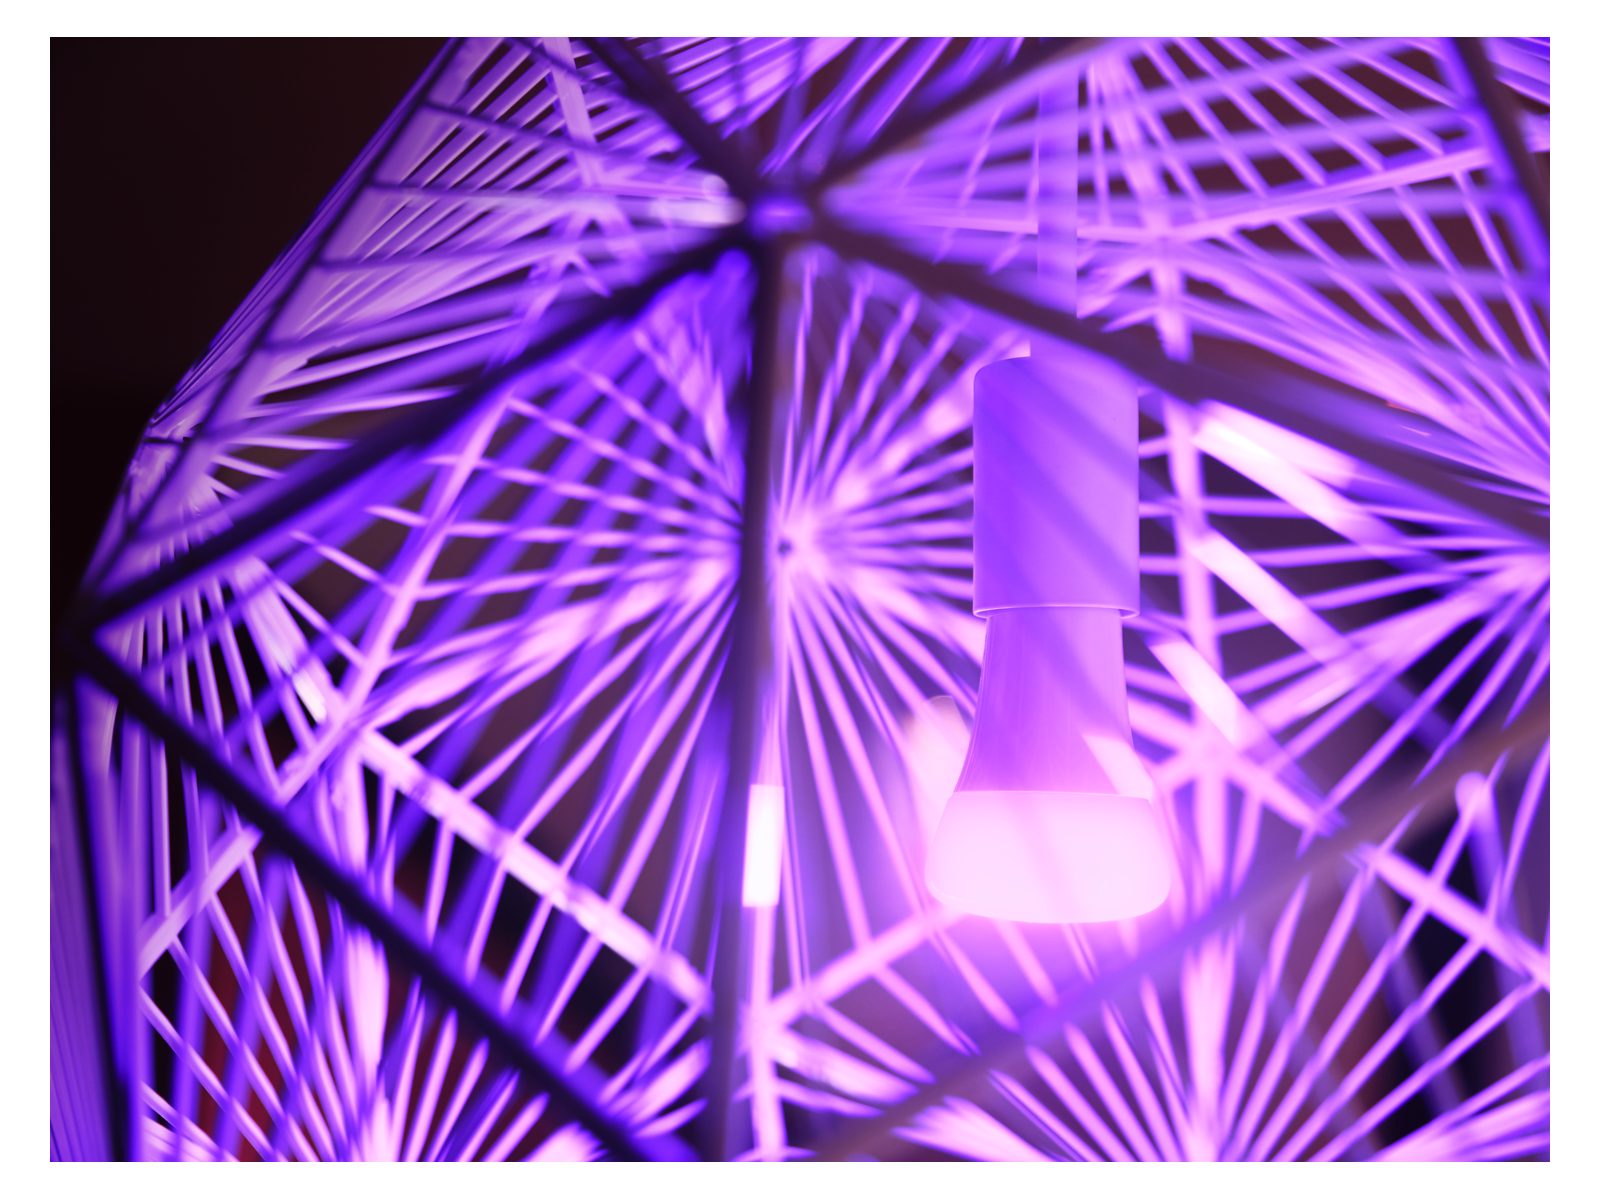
(445, 604)
(1054, 857)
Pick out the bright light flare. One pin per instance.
(763, 846)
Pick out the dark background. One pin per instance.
(179, 169)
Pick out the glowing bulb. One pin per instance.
(1052, 818)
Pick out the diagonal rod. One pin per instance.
(88, 837)
(1398, 800)
(310, 243)
(318, 482)
(651, 87)
(749, 667)
(1329, 419)
(914, 125)
(1499, 106)
(282, 835)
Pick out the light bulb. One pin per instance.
(1052, 819)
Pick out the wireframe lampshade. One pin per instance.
(415, 794)
(1052, 818)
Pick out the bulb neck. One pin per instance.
(1053, 710)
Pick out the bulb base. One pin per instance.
(1049, 857)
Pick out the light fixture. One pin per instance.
(1052, 818)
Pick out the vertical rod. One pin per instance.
(1056, 253)
(745, 681)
